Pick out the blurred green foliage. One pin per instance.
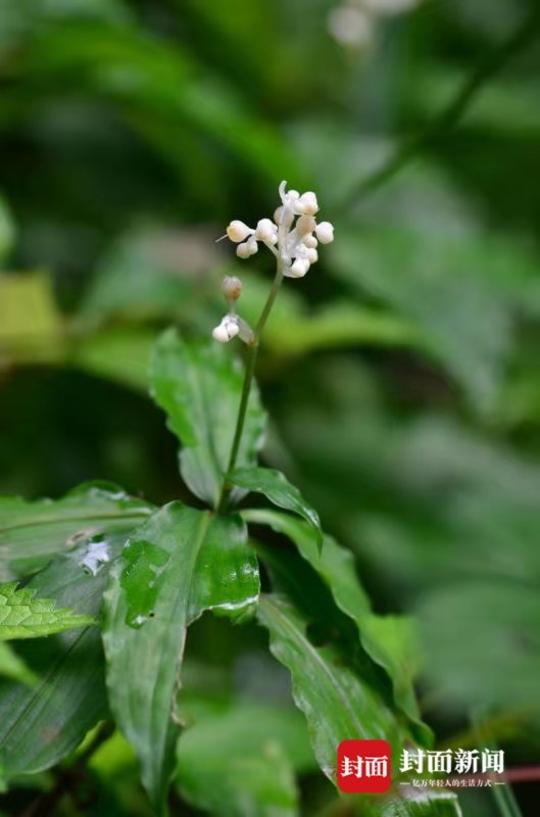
(401, 375)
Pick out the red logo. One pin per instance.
(364, 766)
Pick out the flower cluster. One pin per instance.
(293, 236)
(352, 23)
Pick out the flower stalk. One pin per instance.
(292, 237)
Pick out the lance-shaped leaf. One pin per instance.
(180, 563)
(42, 724)
(241, 761)
(23, 615)
(337, 703)
(199, 387)
(388, 640)
(275, 487)
(31, 533)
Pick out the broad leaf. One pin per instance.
(180, 563)
(199, 387)
(31, 533)
(23, 615)
(337, 703)
(275, 487)
(41, 725)
(241, 761)
(388, 640)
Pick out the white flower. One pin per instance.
(308, 204)
(227, 329)
(292, 236)
(266, 231)
(325, 232)
(238, 231)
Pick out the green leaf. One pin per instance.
(241, 761)
(199, 387)
(42, 724)
(180, 563)
(388, 640)
(31, 533)
(275, 487)
(13, 667)
(22, 615)
(337, 703)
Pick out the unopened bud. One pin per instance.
(238, 231)
(231, 287)
(311, 242)
(325, 232)
(308, 204)
(243, 250)
(299, 268)
(305, 225)
(266, 231)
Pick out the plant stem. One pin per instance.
(248, 379)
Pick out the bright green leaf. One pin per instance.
(275, 487)
(199, 387)
(180, 563)
(31, 533)
(337, 703)
(22, 615)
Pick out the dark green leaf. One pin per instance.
(388, 640)
(23, 615)
(42, 724)
(275, 487)
(32, 532)
(336, 702)
(180, 563)
(242, 760)
(199, 387)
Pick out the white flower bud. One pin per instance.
(231, 287)
(252, 245)
(312, 255)
(278, 214)
(243, 250)
(299, 268)
(226, 330)
(305, 224)
(311, 242)
(266, 231)
(238, 231)
(308, 204)
(325, 232)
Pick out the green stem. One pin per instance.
(246, 386)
